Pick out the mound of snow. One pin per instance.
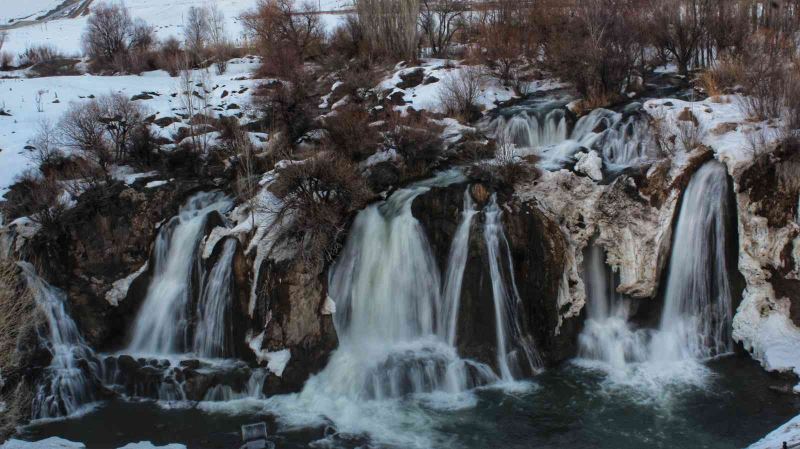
(49, 443)
(149, 445)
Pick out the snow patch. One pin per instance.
(48, 443)
(119, 289)
(590, 164)
(149, 445)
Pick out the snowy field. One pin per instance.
(19, 99)
(167, 16)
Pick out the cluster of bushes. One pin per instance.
(113, 40)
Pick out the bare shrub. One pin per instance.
(349, 134)
(417, 140)
(440, 21)
(317, 197)
(121, 117)
(460, 91)
(170, 56)
(690, 134)
(724, 75)
(46, 145)
(288, 107)
(678, 30)
(390, 27)
(768, 78)
(347, 40)
(596, 46)
(6, 59)
(39, 54)
(82, 130)
(285, 37)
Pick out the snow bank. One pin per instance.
(788, 433)
(49, 443)
(149, 445)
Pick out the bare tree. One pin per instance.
(460, 91)
(221, 47)
(82, 130)
(108, 32)
(390, 27)
(678, 29)
(121, 118)
(440, 21)
(196, 31)
(285, 36)
(195, 99)
(45, 144)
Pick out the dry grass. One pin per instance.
(17, 319)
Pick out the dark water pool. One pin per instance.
(570, 407)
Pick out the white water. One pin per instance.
(213, 334)
(457, 261)
(162, 322)
(396, 359)
(697, 314)
(696, 319)
(607, 336)
(621, 140)
(506, 300)
(70, 379)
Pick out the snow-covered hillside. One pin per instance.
(167, 16)
(19, 100)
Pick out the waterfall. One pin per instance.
(456, 262)
(161, 326)
(696, 319)
(212, 336)
(607, 336)
(697, 315)
(622, 139)
(506, 299)
(392, 321)
(71, 378)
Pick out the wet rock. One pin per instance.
(411, 78)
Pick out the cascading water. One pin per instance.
(71, 378)
(456, 262)
(621, 139)
(397, 327)
(696, 320)
(391, 319)
(607, 336)
(162, 322)
(698, 310)
(506, 300)
(213, 334)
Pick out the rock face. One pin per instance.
(104, 238)
(537, 250)
(767, 322)
(290, 312)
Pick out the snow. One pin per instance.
(166, 17)
(127, 175)
(149, 445)
(155, 184)
(329, 306)
(590, 164)
(18, 98)
(13, 11)
(277, 361)
(428, 96)
(119, 289)
(733, 147)
(788, 433)
(48, 443)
